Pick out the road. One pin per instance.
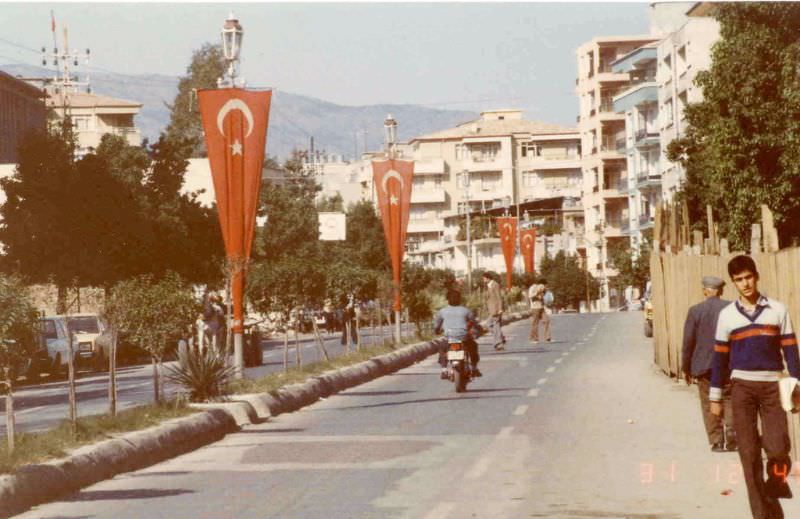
(582, 427)
(42, 406)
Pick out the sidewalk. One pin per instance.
(637, 445)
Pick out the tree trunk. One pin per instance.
(358, 335)
(372, 327)
(347, 336)
(73, 406)
(112, 373)
(380, 320)
(285, 349)
(297, 356)
(61, 299)
(156, 390)
(11, 431)
(320, 341)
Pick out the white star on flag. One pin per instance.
(393, 200)
(236, 147)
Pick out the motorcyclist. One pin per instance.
(459, 325)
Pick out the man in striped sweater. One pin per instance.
(754, 337)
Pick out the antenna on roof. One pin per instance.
(62, 60)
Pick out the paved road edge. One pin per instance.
(36, 484)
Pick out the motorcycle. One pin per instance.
(459, 367)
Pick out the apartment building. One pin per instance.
(604, 165)
(95, 115)
(681, 55)
(494, 164)
(641, 144)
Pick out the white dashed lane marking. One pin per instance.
(520, 410)
(550, 369)
(533, 392)
(541, 381)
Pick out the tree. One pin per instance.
(185, 128)
(568, 281)
(39, 227)
(18, 322)
(154, 313)
(632, 270)
(742, 142)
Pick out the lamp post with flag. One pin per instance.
(392, 179)
(235, 126)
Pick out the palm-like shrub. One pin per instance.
(203, 375)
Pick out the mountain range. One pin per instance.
(294, 119)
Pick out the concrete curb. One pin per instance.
(35, 484)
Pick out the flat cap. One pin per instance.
(712, 282)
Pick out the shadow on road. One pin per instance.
(374, 393)
(140, 493)
(268, 431)
(454, 398)
(164, 473)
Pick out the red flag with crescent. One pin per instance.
(508, 241)
(235, 125)
(527, 240)
(392, 180)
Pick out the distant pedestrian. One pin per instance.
(494, 304)
(754, 337)
(330, 317)
(349, 331)
(698, 352)
(536, 295)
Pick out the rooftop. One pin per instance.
(84, 100)
(484, 127)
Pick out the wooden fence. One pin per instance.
(676, 285)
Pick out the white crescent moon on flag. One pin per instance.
(392, 174)
(527, 239)
(235, 104)
(507, 226)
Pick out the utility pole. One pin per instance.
(468, 209)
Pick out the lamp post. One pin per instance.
(390, 136)
(232, 35)
(465, 180)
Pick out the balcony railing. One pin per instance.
(607, 105)
(645, 219)
(621, 145)
(644, 134)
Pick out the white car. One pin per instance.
(89, 340)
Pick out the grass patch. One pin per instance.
(274, 381)
(55, 443)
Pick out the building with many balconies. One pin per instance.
(603, 141)
(641, 145)
(22, 110)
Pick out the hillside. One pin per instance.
(293, 118)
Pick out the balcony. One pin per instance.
(647, 181)
(428, 196)
(608, 148)
(429, 167)
(637, 94)
(425, 225)
(646, 221)
(645, 138)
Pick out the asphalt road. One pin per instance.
(42, 406)
(582, 427)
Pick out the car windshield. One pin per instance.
(49, 329)
(86, 324)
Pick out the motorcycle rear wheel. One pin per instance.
(460, 380)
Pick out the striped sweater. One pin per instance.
(753, 346)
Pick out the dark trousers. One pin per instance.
(470, 346)
(714, 423)
(751, 400)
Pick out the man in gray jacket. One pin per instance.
(698, 353)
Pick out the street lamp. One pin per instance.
(390, 135)
(232, 35)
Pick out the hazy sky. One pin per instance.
(470, 56)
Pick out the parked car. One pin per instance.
(90, 341)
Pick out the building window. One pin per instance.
(531, 149)
(459, 151)
(529, 178)
(484, 152)
(437, 183)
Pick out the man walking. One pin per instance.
(494, 303)
(536, 294)
(754, 337)
(697, 354)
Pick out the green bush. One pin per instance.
(203, 375)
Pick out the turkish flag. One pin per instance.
(507, 226)
(235, 125)
(527, 239)
(392, 180)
